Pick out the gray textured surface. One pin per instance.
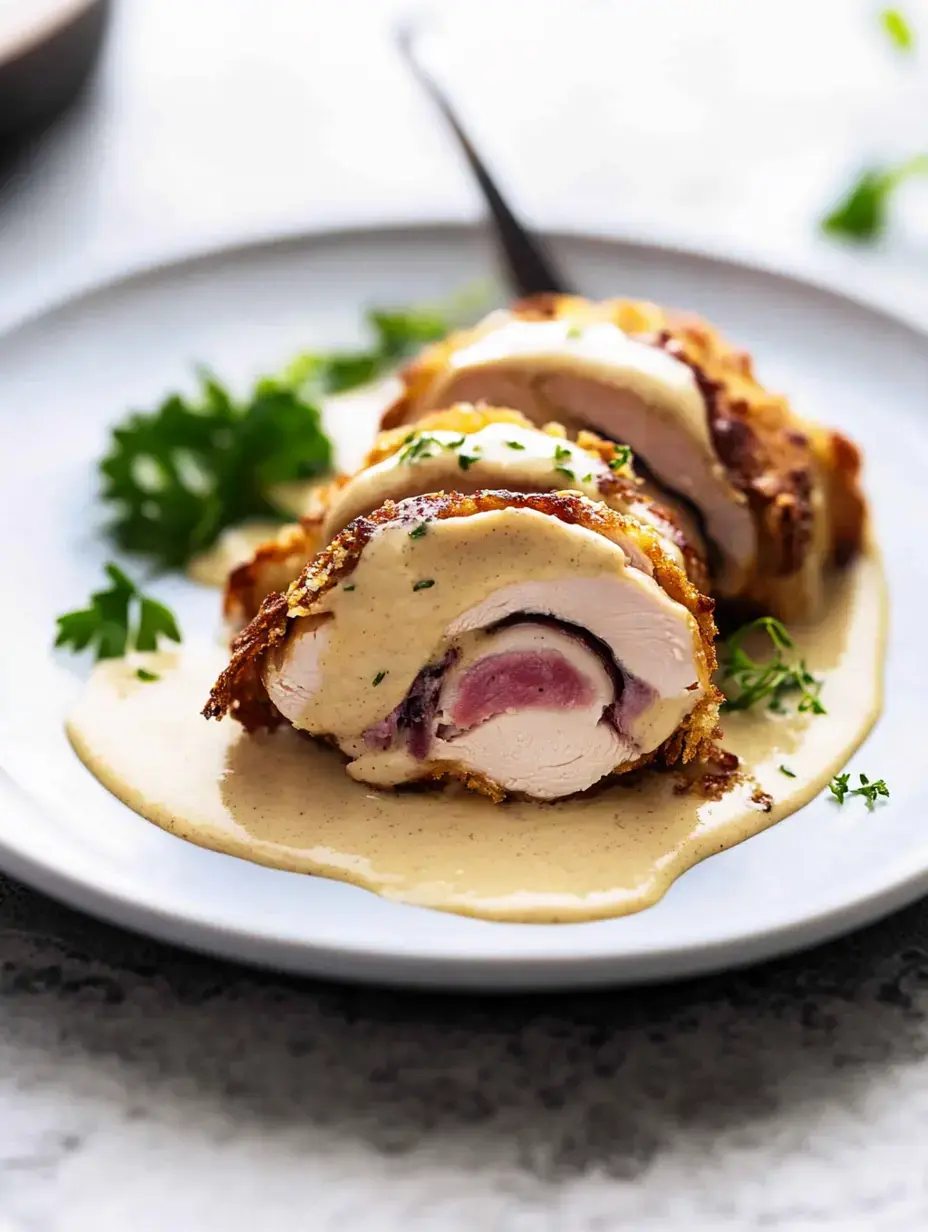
(141, 1087)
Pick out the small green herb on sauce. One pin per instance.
(840, 788)
(565, 470)
(587, 478)
(771, 680)
(790, 774)
(418, 531)
(466, 461)
(419, 447)
(142, 674)
(117, 620)
(424, 584)
(574, 332)
(351, 587)
(621, 458)
(450, 446)
(515, 444)
(378, 678)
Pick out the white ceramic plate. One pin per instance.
(68, 374)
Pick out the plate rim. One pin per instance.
(505, 969)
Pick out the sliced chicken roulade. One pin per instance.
(463, 449)
(519, 643)
(777, 499)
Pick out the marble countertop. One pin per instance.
(144, 1088)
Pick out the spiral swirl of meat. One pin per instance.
(778, 499)
(521, 643)
(462, 449)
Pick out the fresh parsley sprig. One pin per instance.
(178, 476)
(116, 621)
(771, 680)
(840, 788)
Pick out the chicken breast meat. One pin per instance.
(520, 643)
(777, 499)
(463, 449)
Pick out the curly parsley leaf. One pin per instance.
(840, 788)
(772, 680)
(180, 475)
(862, 214)
(116, 621)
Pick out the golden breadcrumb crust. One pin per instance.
(240, 690)
(770, 455)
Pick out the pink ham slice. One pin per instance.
(519, 680)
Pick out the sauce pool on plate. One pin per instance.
(285, 801)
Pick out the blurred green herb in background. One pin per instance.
(897, 29)
(861, 215)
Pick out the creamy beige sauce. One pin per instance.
(232, 548)
(282, 800)
(499, 455)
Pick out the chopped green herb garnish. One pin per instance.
(419, 447)
(450, 446)
(862, 214)
(621, 458)
(351, 587)
(587, 478)
(466, 461)
(515, 444)
(378, 678)
(118, 620)
(790, 774)
(897, 29)
(424, 584)
(773, 679)
(562, 453)
(840, 788)
(418, 531)
(574, 331)
(142, 674)
(565, 470)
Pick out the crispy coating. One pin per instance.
(781, 464)
(240, 690)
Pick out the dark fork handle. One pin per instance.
(529, 268)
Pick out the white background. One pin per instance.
(730, 124)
